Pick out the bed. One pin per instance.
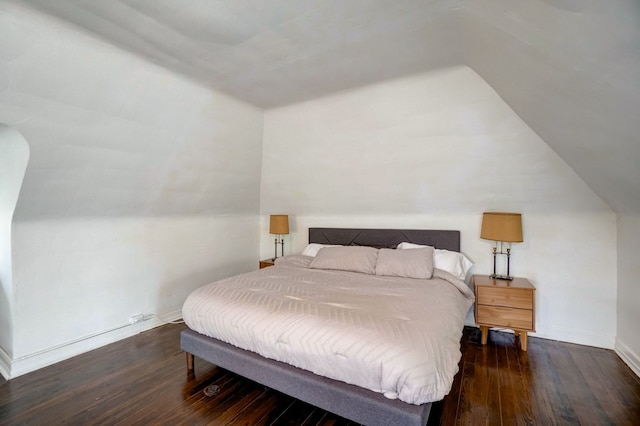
(364, 401)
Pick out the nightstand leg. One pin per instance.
(523, 340)
(485, 334)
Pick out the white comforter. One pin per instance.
(396, 336)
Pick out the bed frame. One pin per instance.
(349, 401)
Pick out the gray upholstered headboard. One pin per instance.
(390, 238)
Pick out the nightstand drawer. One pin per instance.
(514, 298)
(505, 317)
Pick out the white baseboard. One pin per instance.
(579, 337)
(46, 357)
(5, 364)
(630, 358)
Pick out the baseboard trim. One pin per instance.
(567, 336)
(630, 358)
(46, 357)
(579, 337)
(5, 364)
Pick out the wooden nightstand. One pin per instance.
(266, 263)
(506, 304)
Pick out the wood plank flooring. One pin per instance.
(143, 380)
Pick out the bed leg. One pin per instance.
(189, 362)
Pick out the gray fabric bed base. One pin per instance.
(352, 402)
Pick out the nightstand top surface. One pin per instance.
(484, 280)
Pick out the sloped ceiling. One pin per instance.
(569, 68)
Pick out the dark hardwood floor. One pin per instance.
(143, 380)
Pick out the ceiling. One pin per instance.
(274, 52)
(569, 68)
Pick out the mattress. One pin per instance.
(396, 336)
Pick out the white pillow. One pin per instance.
(313, 248)
(453, 262)
(405, 246)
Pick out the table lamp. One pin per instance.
(502, 228)
(279, 225)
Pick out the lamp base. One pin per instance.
(501, 277)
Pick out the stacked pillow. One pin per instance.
(417, 263)
(355, 259)
(452, 262)
(409, 260)
(313, 248)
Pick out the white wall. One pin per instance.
(435, 151)
(141, 186)
(77, 278)
(111, 134)
(628, 338)
(576, 87)
(13, 162)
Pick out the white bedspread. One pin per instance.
(396, 336)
